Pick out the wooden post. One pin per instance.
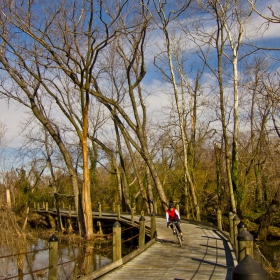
(141, 240)
(100, 231)
(47, 206)
(245, 244)
(38, 206)
(231, 233)
(219, 219)
(248, 268)
(99, 209)
(241, 226)
(44, 205)
(153, 225)
(236, 221)
(117, 241)
(119, 211)
(53, 257)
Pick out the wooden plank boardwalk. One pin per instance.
(206, 254)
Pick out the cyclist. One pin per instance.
(173, 215)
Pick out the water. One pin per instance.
(73, 260)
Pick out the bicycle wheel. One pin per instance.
(179, 237)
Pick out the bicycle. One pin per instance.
(176, 231)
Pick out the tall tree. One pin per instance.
(126, 102)
(55, 57)
(164, 19)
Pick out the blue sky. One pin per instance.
(12, 115)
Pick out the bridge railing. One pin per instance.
(141, 227)
(243, 243)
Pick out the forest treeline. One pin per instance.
(91, 76)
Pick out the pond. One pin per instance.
(73, 260)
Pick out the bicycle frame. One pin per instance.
(177, 231)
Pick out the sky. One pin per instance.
(12, 115)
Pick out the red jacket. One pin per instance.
(172, 215)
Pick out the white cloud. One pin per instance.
(12, 115)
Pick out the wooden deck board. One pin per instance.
(205, 254)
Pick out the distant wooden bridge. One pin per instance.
(207, 253)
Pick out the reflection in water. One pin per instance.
(74, 261)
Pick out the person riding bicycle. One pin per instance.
(172, 215)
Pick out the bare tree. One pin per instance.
(62, 45)
(126, 102)
(164, 19)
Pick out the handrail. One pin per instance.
(24, 253)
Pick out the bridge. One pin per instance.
(206, 254)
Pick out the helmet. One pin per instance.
(170, 205)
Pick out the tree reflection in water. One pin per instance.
(74, 260)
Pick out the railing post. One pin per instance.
(141, 240)
(153, 225)
(38, 206)
(99, 209)
(47, 206)
(100, 231)
(245, 244)
(236, 221)
(241, 226)
(53, 257)
(119, 211)
(249, 269)
(117, 241)
(231, 233)
(219, 219)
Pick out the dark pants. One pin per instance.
(177, 225)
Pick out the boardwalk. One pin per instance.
(206, 254)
